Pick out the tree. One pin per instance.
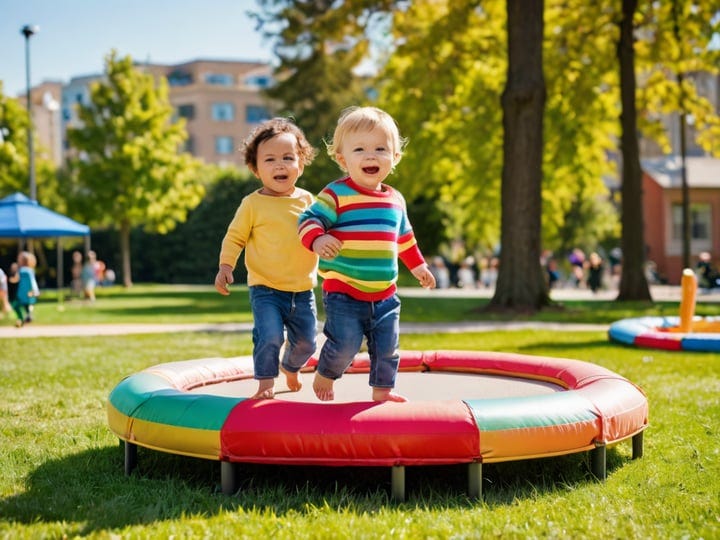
(14, 155)
(633, 283)
(442, 76)
(319, 48)
(443, 82)
(13, 145)
(128, 169)
(521, 284)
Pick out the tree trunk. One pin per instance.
(521, 285)
(633, 284)
(125, 252)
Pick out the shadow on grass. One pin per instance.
(90, 490)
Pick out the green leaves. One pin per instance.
(127, 169)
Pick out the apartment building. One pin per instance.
(220, 100)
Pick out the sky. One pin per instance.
(75, 35)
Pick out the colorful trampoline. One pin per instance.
(665, 333)
(685, 332)
(464, 407)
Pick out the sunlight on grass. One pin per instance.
(202, 304)
(63, 469)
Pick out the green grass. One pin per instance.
(202, 304)
(62, 469)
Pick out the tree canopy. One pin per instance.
(128, 169)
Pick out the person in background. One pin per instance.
(359, 227)
(88, 276)
(595, 269)
(13, 277)
(76, 284)
(281, 272)
(466, 273)
(109, 277)
(6, 308)
(440, 270)
(577, 262)
(708, 276)
(27, 288)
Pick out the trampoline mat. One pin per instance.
(416, 386)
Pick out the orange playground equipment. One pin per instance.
(465, 407)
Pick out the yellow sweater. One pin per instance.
(266, 228)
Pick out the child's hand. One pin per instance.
(224, 279)
(327, 246)
(423, 274)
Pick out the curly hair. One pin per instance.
(269, 129)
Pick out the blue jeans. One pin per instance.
(274, 311)
(347, 321)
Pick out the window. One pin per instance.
(223, 112)
(219, 79)
(254, 114)
(258, 81)
(186, 111)
(224, 145)
(699, 221)
(179, 78)
(700, 228)
(189, 145)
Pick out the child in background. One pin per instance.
(27, 288)
(4, 293)
(359, 227)
(87, 276)
(76, 284)
(281, 273)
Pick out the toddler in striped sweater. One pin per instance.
(359, 227)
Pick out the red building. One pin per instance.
(662, 211)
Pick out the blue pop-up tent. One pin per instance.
(21, 217)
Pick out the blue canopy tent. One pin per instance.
(24, 218)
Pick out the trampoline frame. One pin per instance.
(155, 409)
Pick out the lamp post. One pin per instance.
(27, 31)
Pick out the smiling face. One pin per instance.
(368, 155)
(278, 165)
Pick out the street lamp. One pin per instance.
(27, 31)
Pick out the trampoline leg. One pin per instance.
(398, 482)
(475, 480)
(130, 457)
(598, 458)
(228, 477)
(637, 445)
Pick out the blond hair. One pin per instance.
(25, 258)
(354, 119)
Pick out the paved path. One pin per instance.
(38, 330)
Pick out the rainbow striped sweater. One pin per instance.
(375, 231)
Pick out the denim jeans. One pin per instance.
(347, 321)
(273, 312)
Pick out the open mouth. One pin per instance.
(280, 177)
(371, 170)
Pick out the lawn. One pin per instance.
(202, 304)
(63, 469)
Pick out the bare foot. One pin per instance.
(292, 380)
(265, 389)
(386, 394)
(323, 388)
